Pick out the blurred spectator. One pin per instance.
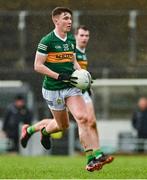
(16, 113)
(139, 122)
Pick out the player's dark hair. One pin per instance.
(60, 10)
(85, 28)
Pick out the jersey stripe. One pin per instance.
(42, 47)
(83, 64)
(60, 57)
(40, 44)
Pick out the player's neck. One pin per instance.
(60, 34)
(82, 49)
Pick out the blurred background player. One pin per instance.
(82, 35)
(139, 122)
(16, 113)
(55, 58)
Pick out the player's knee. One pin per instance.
(82, 118)
(92, 124)
(63, 127)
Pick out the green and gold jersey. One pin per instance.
(59, 55)
(82, 59)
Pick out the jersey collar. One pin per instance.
(81, 50)
(59, 36)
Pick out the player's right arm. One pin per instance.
(41, 56)
(41, 68)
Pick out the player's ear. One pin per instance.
(55, 19)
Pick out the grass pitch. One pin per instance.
(64, 167)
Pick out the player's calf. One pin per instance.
(45, 139)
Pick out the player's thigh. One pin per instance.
(61, 117)
(77, 107)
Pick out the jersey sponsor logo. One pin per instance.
(64, 56)
(60, 57)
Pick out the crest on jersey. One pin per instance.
(65, 47)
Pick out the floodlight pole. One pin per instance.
(76, 22)
(105, 95)
(133, 36)
(22, 37)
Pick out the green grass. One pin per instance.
(64, 167)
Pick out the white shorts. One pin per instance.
(56, 99)
(87, 97)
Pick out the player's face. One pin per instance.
(82, 38)
(64, 22)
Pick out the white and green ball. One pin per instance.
(84, 79)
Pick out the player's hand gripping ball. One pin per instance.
(83, 80)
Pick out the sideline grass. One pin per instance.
(64, 167)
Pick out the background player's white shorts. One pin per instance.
(87, 97)
(56, 99)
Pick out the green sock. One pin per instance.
(31, 130)
(89, 155)
(44, 132)
(97, 153)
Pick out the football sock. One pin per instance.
(44, 132)
(97, 153)
(31, 130)
(89, 155)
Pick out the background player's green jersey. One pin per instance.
(59, 58)
(82, 59)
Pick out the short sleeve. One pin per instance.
(43, 46)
